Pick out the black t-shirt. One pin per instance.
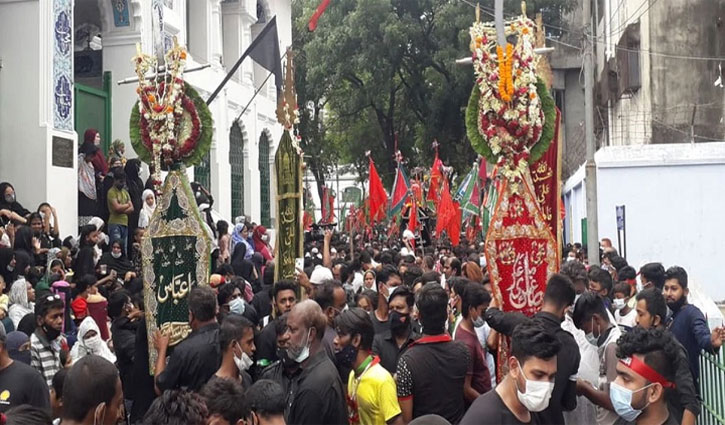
(670, 421)
(266, 345)
(432, 372)
(489, 409)
(319, 398)
(21, 384)
(378, 326)
(193, 361)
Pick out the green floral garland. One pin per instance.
(203, 144)
(480, 144)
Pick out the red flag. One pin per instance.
(454, 226)
(413, 218)
(307, 220)
(330, 206)
(312, 25)
(378, 197)
(446, 210)
(325, 205)
(435, 179)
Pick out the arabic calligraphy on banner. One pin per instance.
(288, 166)
(545, 176)
(521, 252)
(175, 252)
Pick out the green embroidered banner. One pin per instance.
(288, 166)
(176, 256)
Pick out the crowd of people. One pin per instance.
(371, 331)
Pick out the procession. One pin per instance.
(430, 229)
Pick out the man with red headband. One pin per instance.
(644, 372)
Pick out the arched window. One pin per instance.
(202, 172)
(236, 160)
(264, 178)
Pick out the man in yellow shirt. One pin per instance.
(371, 394)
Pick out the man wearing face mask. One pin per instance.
(92, 393)
(592, 318)
(319, 398)
(688, 323)
(432, 371)
(529, 384)
(475, 301)
(46, 341)
(387, 280)
(236, 342)
(683, 401)
(558, 297)
(390, 344)
(20, 382)
(371, 397)
(285, 370)
(645, 370)
(331, 298)
(196, 358)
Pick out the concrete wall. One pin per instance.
(674, 200)
(26, 99)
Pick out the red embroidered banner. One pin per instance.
(545, 174)
(521, 253)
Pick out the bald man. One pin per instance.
(319, 398)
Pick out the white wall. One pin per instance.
(675, 199)
(26, 99)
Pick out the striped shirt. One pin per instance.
(44, 357)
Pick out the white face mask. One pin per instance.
(94, 344)
(618, 303)
(116, 255)
(244, 362)
(304, 351)
(537, 395)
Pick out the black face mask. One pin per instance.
(399, 323)
(51, 333)
(346, 356)
(677, 305)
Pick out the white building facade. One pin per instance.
(59, 64)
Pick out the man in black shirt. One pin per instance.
(319, 398)
(197, 357)
(527, 387)
(645, 369)
(559, 295)
(284, 296)
(432, 371)
(20, 383)
(390, 344)
(682, 401)
(123, 332)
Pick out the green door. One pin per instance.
(93, 110)
(236, 160)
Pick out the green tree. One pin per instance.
(377, 70)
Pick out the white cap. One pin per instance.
(404, 252)
(333, 250)
(320, 275)
(408, 235)
(314, 251)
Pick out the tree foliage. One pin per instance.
(377, 69)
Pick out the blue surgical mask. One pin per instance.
(478, 322)
(622, 401)
(237, 306)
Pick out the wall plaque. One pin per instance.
(62, 152)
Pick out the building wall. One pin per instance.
(674, 200)
(28, 117)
